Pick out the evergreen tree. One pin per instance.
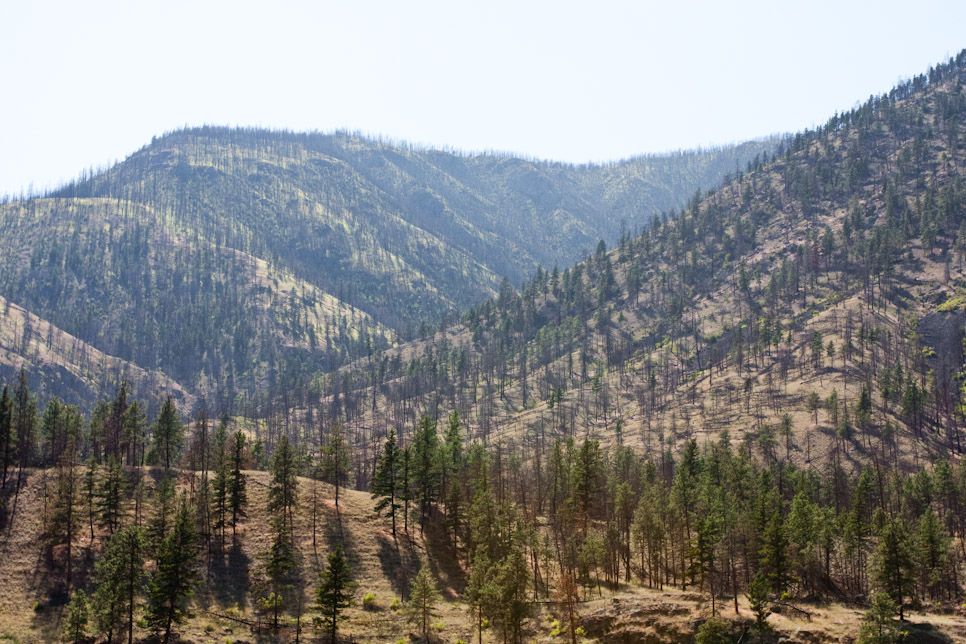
(931, 554)
(281, 566)
(110, 496)
(283, 489)
(425, 465)
(481, 589)
(422, 601)
(173, 583)
(893, 565)
(221, 466)
(78, 616)
(334, 593)
(758, 601)
(336, 460)
(65, 514)
(774, 554)
(168, 434)
(119, 579)
(7, 438)
(878, 626)
(164, 508)
(384, 485)
(237, 494)
(24, 425)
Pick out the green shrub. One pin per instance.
(369, 601)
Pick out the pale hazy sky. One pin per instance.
(85, 83)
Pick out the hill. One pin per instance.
(245, 262)
(812, 308)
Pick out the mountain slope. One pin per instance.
(243, 263)
(812, 307)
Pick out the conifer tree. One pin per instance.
(878, 626)
(78, 617)
(168, 434)
(425, 465)
(221, 466)
(90, 491)
(334, 593)
(65, 515)
(173, 583)
(422, 601)
(283, 489)
(336, 460)
(281, 566)
(110, 496)
(7, 438)
(237, 494)
(164, 508)
(118, 580)
(385, 487)
(774, 554)
(758, 592)
(24, 421)
(893, 565)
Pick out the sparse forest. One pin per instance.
(743, 422)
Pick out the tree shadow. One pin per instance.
(230, 570)
(924, 633)
(399, 565)
(443, 559)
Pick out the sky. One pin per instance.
(83, 84)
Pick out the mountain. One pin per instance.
(240, 262)
(812, 308)
(747, 417)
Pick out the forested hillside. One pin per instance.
(242, 263)
(813, 307)
(742, 423)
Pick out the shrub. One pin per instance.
(714, 631)
(369, 601)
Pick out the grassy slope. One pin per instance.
(32, 608)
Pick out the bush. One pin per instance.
(395, 604)
(714, 631)
(369, 601)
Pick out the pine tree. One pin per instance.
(283, 489)
(931, 554)
(774, 554)
(480, 589)
(334, 593)
(7, 442)
(90, 490)
(65, 515)
(384, 483)
(893, 564)
(422, 601)
(336, 460)
(118, 578)
(173, 583)
(221, 466)
(24, 425)
(110, 496)
(78, 616)
(281, 565)
(758, 592)
(164, 508)
(168, 434)
(425, 465)
(237, 494)
(878, 626)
